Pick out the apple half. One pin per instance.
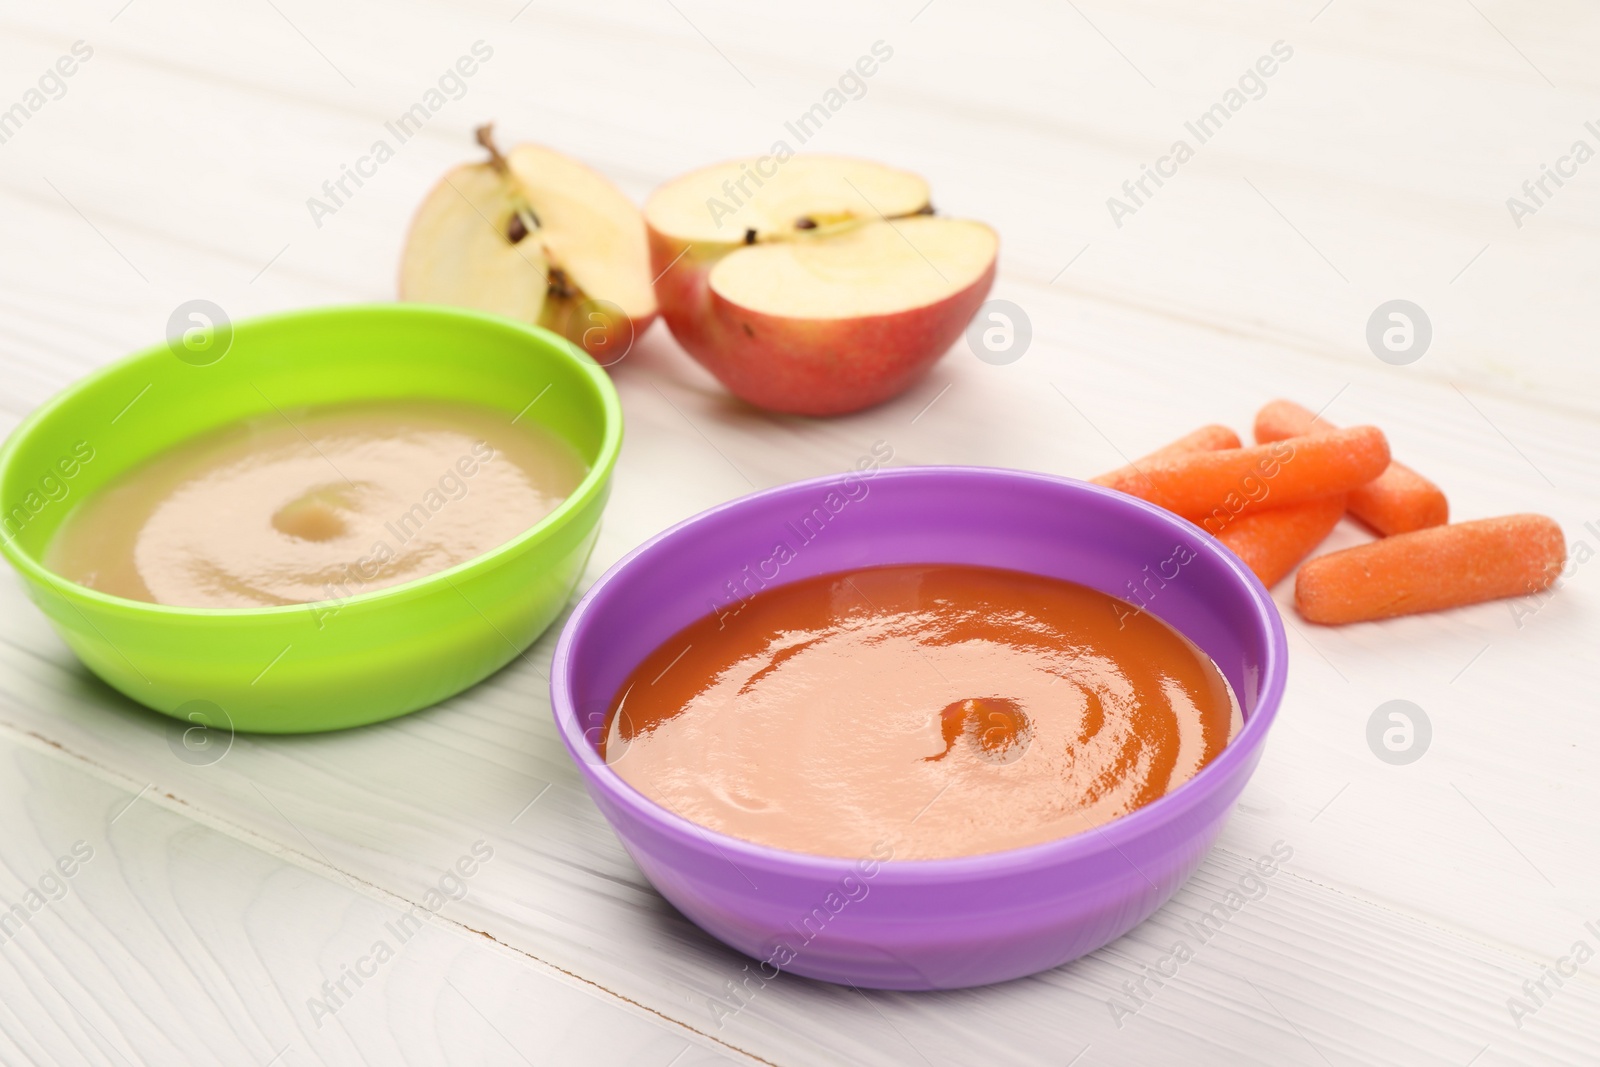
(815, 285)
(538, 237)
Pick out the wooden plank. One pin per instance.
(1377, 165)
(150, 938)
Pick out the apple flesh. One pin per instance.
(822, 288)
(538, 237)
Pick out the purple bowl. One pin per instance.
(923, 924)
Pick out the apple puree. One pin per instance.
(316, 505)
(947, 710)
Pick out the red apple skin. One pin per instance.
(607, 341)
(683, 287)
(609, 344)
(803, 366)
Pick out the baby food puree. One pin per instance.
(945, 710)
(316, 505)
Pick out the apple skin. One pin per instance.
(803, 366)
(608, 345)
(606, 341)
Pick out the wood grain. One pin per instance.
(1376, 165)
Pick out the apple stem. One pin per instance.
(525, 219)
(485, 136)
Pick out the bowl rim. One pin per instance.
(558, 347)
(1110, 836)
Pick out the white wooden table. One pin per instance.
(215, 900)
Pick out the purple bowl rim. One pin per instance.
(1110, 836)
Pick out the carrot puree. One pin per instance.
(946, 710)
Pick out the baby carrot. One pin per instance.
(1429, 570)
(1284, 418)
(1215, 488)
(1206, 439)
(1271, 542)
(1397, 501)
(1212, 438)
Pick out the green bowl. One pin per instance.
(330, 665)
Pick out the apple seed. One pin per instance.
(561, 286)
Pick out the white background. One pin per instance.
(1377, 166)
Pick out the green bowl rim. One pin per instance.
(592, 484)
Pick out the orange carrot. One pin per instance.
(1272, 542)
(1216, 488)
(1429, 570)
(1210, 438)
(1397, 501)
(1284, 418)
